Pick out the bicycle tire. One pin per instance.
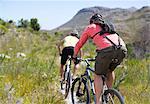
(62, 81)
(67, 84)
(114, 97)
(75, 95)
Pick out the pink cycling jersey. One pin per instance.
(98, 40)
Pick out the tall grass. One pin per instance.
(135, 87)
(34, 79)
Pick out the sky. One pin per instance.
(53, 13)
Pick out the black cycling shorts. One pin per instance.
(65, 53)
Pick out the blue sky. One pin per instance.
(53, 13)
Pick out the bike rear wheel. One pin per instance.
(112, 96)
(80, 92)
(65, 84)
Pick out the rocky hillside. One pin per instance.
(132, 24)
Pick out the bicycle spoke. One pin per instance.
(80, 93)
(113, 97)
(113, 100)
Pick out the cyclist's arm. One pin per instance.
(60, 46)
(81, 42)
(80, 53)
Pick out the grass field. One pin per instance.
(33, 78)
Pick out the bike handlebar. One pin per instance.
(86, 60)
(91, 59)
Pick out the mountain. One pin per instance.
(80, 20)
(132, 24)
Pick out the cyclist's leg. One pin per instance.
(98, 82)
(71, 52)
(63, 61)
(98, 85)
(76, 65)
(103, 60)
(61, 71)
(74, 71)
(118, 56)
(110, 78)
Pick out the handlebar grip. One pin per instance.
(91, 59)
(79, 59)
(76, 58)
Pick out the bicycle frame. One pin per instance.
(86, 77)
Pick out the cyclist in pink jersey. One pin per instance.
(108, 57)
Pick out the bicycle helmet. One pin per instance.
(74, 33)
(97, 19)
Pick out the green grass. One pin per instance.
(34, 79)
(135, 87)
(31, 79)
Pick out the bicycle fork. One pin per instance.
(81, 92)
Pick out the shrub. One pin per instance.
(23, 23)
(3, 29)
(34, 24)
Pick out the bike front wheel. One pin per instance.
(80, 92)
(112, 96)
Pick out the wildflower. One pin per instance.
(19, 54)
(44, 75)
(4, 56)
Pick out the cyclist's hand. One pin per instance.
(76, 60)
(60, 54)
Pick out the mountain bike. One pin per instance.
(66, 82)
(81, 86)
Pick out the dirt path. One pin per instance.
(68, 99)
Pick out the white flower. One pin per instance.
(4, 56)
(19, 54)
(44, 75)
